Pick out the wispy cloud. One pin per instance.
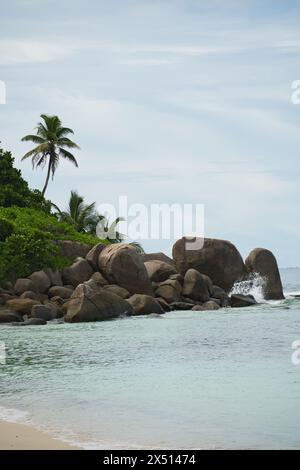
(147, 62)
(15, 52)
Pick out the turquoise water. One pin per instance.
(220, 379)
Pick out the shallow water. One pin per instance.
(220, 379)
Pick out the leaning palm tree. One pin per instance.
(82, 216)
(85, 218)
(52, 142)
(109, 231)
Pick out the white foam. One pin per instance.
(252, 286)
(13, 415)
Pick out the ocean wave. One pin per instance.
(252, 286)
(13, 415)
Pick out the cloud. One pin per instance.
(146, 62)
(17, 52)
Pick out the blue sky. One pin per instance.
(171, 102)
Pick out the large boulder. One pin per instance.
(95, 305)
(34, 296)
(221, 295)
(120, 291)
(170, 290)
(164, 305)
(159, 256)
(99, 278)
(22, 306)
(93, 255)
(218, 259)
(24, 285)
(177, 277)
(54, 276)
(40, 281)
(5, 297)
(144, 304)
(28, 294)
(60, 291)
(263, 262)
(121, 264)
(79, 272)
(197, 286)
(159, 271)
(71, 249)
(56, 310)
(42, 311)
(6, 316)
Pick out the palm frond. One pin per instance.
(68, 156)
(33, 138)
(52, 122)
(65, 142)
(63, 131)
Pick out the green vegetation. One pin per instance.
(52, 141)
(6, 229)
(29, 233)
(30, 236)
(83, 217)
(14, 190)
(30, 241)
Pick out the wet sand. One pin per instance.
(22, 437)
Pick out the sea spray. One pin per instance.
(254, 285)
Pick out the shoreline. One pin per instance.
(15, 436)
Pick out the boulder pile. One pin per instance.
(116, 280)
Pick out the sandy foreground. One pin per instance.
(22, 437)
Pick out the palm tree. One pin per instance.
(82, 216)
(109, 231)
(85, 218)
(52, 142)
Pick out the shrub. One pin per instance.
(25, 219)
(32, 245)
(14, 190)
(6, 229)
(25, 252)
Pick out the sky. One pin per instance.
(171, 101)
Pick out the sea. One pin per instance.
(226, 379)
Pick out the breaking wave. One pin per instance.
(254, 285)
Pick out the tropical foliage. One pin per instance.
(83, 217)
(30, 235)
(14, 190)
(30, 241)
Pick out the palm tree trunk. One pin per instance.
(48, 176)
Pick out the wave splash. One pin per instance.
(254, 285)
(13, 415)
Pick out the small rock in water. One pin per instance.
(43, 312)
(182, 305)
(198, 308)
(33, 321)
(210, 305)
(241, 300)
